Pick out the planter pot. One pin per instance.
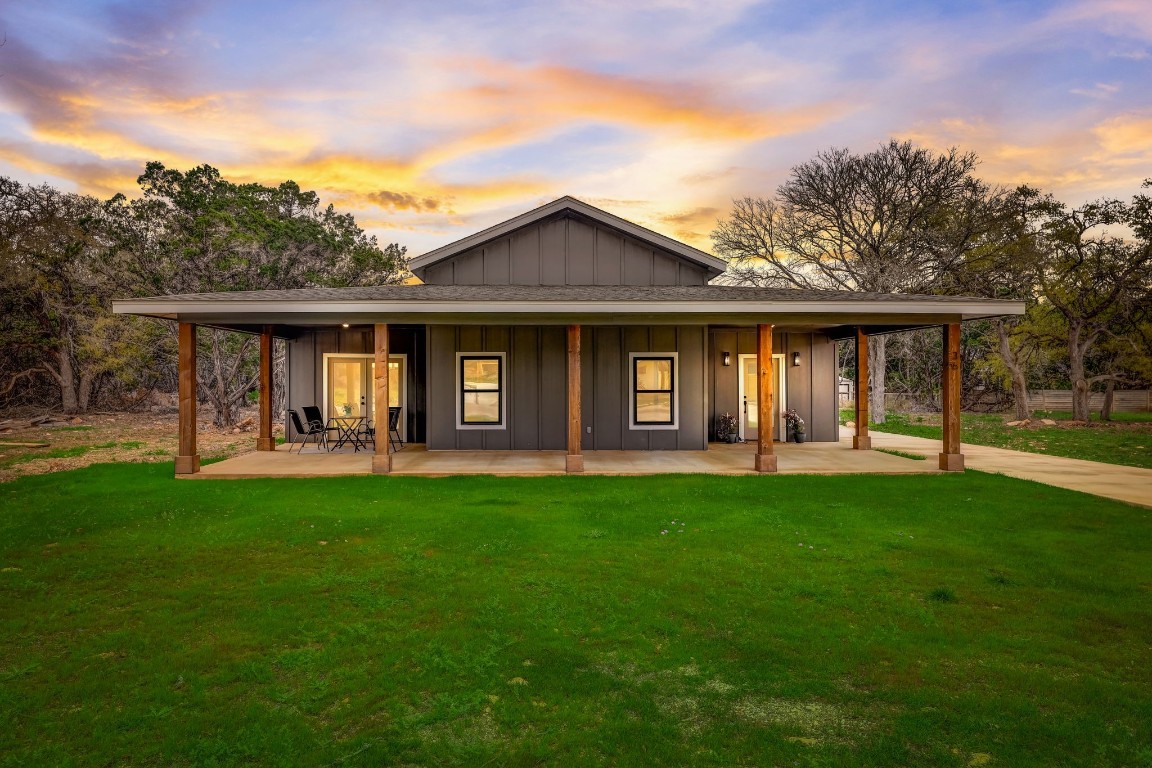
(799, 437)
(733, 439)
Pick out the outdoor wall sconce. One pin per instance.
(795, 358)
(727, 358)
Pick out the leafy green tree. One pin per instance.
(53, 295)
(1006, 265)
(1126, 354)
(196, 232)
(1095, 277)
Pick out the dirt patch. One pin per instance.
(119, 437)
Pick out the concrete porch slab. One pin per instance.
(720, 459)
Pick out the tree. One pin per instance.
(1126, 353)
(1097, 280)
(53, 296)
(196, 232)
(899, 219)
(1005, 266)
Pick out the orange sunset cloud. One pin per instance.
(429, 122)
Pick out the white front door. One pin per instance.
(750, 411)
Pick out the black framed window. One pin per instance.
(481, 387)
(654, 390)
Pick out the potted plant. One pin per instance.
(347, 409)
(727, 428)
(795, 424)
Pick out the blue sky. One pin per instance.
(433, 120)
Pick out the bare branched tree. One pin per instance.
(899, 219)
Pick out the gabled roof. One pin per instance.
(713, 265)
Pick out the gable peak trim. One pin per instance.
(713, 265)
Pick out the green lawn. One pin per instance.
(953, 620)
(1126, 440)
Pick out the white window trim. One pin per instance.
(675, 357)
(503, 391)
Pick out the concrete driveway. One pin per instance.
(1112, 481)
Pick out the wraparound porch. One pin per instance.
(764, 458)
(721, 459)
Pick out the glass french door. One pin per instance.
(349, 386)
(750, 406)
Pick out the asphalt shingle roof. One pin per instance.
(564, 293)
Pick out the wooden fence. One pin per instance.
(1061, 400)
(1129, 400)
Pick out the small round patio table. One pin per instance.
(347, 429)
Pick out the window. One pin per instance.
(654, 401)
(480, 390)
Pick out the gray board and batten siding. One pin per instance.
(536, 383)
(565, 250)
(605, 387)
(537, 387)
(811, 386)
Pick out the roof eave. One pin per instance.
(173, 309)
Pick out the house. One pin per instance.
(567, 328)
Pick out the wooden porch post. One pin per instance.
(861, 441)
(765, 452)
(266, 442)
(187, 460)
(382, 460)
(951, 459)
(574, 461)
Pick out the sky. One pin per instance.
(432, 120)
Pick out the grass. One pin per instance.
(949, 620)
(902, 454)
(31, 454)
(119, 437)
(1127, 440)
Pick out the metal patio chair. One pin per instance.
(367, 431)
(394, 438)
(312, 414)
(306, 430)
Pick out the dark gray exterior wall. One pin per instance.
(605, 385)
(811, 385)
(566, 251)
(305, 367)
(537, 381)
(537, 387)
